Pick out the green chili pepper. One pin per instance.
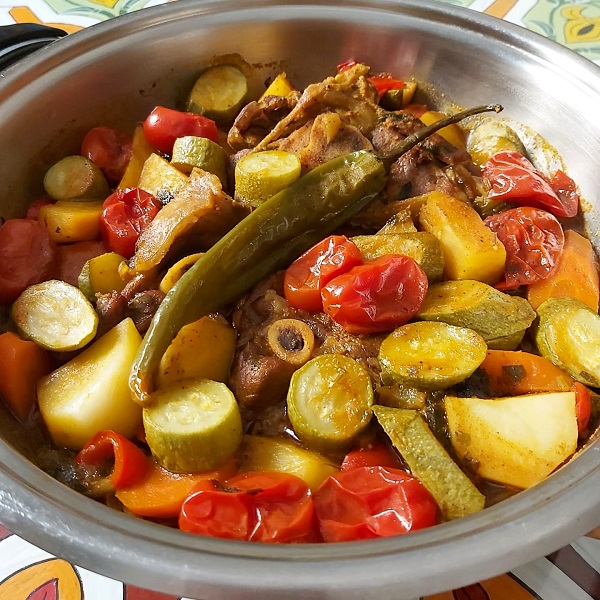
(272, 236)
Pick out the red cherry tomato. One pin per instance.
(255, 507)
(378, 296)
(127, 212)
(27, 256)
(514, 179)
(372, 502)
(108, 149)
(164, 125)
(583, 405)
(534, 242)
(307, 275)
(376, 455)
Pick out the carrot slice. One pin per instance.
(23, 363)
(576, 275)
(161, 493)
(514, 373)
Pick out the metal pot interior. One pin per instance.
(114, 73)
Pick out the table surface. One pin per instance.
(572, 573)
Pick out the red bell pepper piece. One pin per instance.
(130, 463)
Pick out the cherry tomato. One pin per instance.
(164, 125)
(583, 405)
(255, 507)
(307, 275)
(534, 242)
(514, 179)
(372, 502)
(379, 295)
(27, 256)
(376, 455)
(130, 464)
(108, 149)
(127, 212)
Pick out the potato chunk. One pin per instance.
(517, 441)
(471, 250)
(90, 392)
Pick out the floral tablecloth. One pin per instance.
(573, 573)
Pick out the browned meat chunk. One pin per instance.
(322, 139)
(348, 94)
(257, 119)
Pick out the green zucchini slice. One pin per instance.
(427, 459)
(219, 93)
(56, 315)
(329, 402)
(568, 334)
(193, 426)
(500, 319)
(430, 355)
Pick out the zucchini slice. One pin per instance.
(56, 316)
(568, 334)
(75, 178)
(194, 426)
(427, 459)
(424, 248)
(192, 151)
(490, 137)
(219, 93)
(260, 175)
(498, 318)
(329, 402)
(430, 355)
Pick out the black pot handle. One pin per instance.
(20, 40)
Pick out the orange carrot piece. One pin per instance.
(161, 493)
(514, 373)
(22, 364)
(575, 277)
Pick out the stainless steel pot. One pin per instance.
(114, 73)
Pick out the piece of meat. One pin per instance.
(142, 307)
(349, 94)
(260, 379)
(198, 216)
(258, 118)
(324, 138)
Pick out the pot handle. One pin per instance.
(20, 40)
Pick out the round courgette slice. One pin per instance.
(193, 426)
(430, 355)
(260, 175)
(568, 333)
(219, 93)
(75, 178)
(330, 402)
(56, 315)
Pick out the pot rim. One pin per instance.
(91, 535)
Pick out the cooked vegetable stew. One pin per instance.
(307, 317)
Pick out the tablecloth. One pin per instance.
(572, 573)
